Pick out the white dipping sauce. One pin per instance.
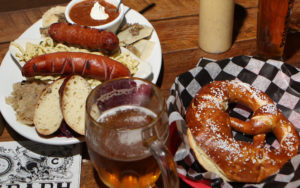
(98, 12)
(216, 25)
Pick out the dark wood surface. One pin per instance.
(176, 23)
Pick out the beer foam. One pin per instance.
(128, 135)
(115, 110)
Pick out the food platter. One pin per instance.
(10, 73)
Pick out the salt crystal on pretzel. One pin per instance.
(210, 132)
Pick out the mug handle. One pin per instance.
(166, 164)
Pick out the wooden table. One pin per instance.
(176, 23)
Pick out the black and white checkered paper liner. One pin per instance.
(277, 79)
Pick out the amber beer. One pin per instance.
(272, 27)
(121, 159)
(127, 134)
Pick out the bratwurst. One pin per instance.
(85, 37)
(84, 64)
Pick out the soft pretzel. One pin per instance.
(211, 139)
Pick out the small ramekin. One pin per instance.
(111, 26)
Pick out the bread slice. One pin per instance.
(75, 92)
(48, 115)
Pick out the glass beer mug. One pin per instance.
(127, 132)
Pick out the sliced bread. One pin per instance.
(48, 115)
(75, 92)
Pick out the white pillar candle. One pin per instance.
(216, 25)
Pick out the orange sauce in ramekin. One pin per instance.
(80, 13)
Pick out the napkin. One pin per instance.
(279, 80)
(30, 164)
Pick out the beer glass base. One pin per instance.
(128, 181)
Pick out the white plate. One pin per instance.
(10, 74)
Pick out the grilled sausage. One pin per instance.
(85, 37)
(65, 63)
